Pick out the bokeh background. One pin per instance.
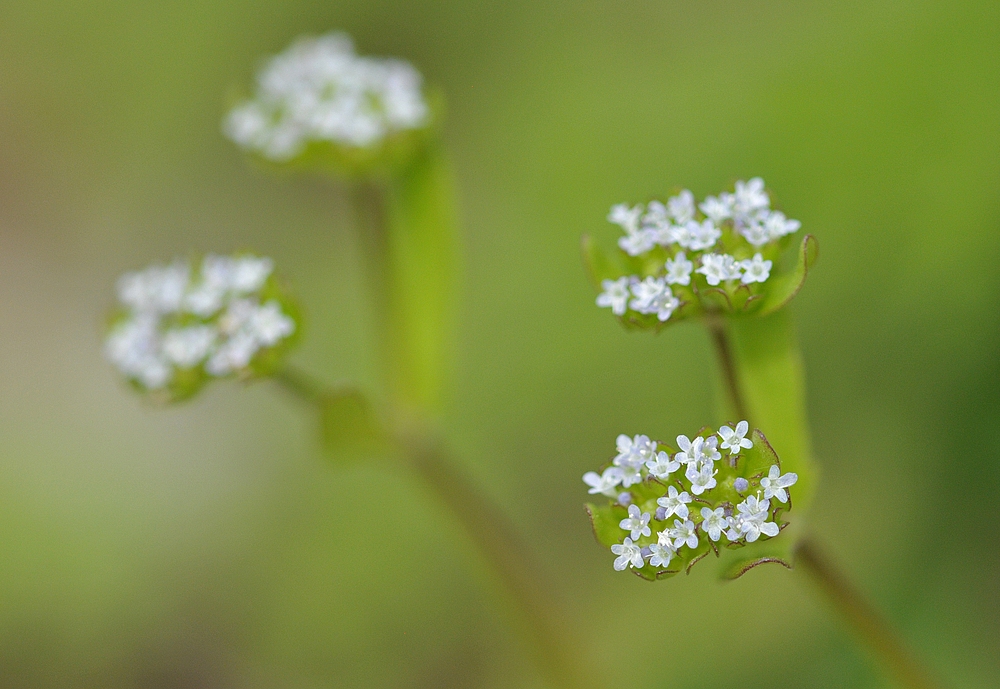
(213, 545)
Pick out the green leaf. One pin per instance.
(770, 374)
(600, 266)
(348, 424)
(422, 267)
(736, 563)
(605, 519)
(760, 457)
(782, 288)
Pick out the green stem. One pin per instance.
(864, 620)
(869, 627)
(550, 639)
(368, 199)
(717, 330)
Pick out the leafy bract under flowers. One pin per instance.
(666, 508)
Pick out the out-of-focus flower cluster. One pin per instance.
(684, 258)
(177, 328)
(669, 508)
(320, 91)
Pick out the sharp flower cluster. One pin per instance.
(714, 489)
(725, 242)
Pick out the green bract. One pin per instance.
(748, 490)
(176, 329)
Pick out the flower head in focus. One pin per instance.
(179, 327)
(320, 97)
(683, 259)
(673, 518)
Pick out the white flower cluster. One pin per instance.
(638, 460)
(175, 322)
(742, 220)
(320, 90)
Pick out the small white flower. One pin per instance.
(703, 451)
(719, 267)
(188, 347)
(661, 553)
(133, 347)
(653, 296)
(687, 455)
(733, 440)
(656, 215)
(717, 209)
(713, 522)
(639, 242)
(755, 232)
(750, 196)
(755, 269)
(269, 325)
(634, 451)
(628, 554)
(777, 225)
(679, 270)
(702, 478)
(605, 483)
(615, 295)
(675, 503)
(734, 532)
(697, 236)
(249, 273)
(774, 484)
(233, 355)
(631, 475)
(637, 522)
(681, 207)
(662, 466)
(157, 289)
(625, 216)
(683, 533)
(752, 519)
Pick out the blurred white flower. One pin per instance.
(615, 295)
(320, 90)
(175, 322)
(653, 296)
(755, 269)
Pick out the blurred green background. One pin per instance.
(212, 545)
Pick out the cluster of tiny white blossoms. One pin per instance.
(679, 493)
(320, 90)
(213, 320)
(726, 239)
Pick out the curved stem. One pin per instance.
(862, 617)
(869, 627)
(495, 536)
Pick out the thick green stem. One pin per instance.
(538, 613)
(762, 375)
